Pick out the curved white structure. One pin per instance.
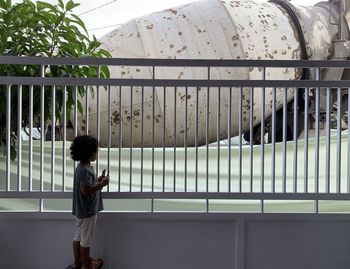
(210, 29)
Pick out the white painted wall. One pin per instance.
(186, 241)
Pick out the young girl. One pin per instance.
(87, 200)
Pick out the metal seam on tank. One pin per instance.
(292, 25)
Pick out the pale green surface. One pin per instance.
(213, 179)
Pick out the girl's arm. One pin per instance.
(94, 188)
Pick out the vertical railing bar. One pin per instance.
(153, 127)
(348, 164)
(218, 137)
(53, 137)
(98, 115)
(295, 138)
(19, 138)
(306, 141)
(75, 111)
(175, 107)
(109, 132)
(251, 138)
(131, 136)
(229, 124)
(262, 136)
(42, 128)
(64, 125)
(142, 127)
(273, 142)
(240, 115)
(185, 133)
(284, 122)
(317, 133)
(328, 136)
(207, 140)
(339, 120)
(164, 135)
(196, 139)
(30, 157)
(317, 208)
(207, 134)
(75, 119)
(87, 109)
(8, 137)
(120, 139)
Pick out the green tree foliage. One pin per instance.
(41, 29)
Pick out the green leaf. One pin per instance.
(42, 5)
(59, 19)
(79, 22)
(70, 5)
(4, 5)
(60, 4)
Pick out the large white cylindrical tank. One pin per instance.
(210, 29)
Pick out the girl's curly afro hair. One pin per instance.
(83, 147)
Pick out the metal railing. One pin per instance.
(166, 129)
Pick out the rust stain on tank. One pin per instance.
(180, 75)
(173, 11)
(115, 117)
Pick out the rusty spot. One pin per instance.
(173, 11)
(138, 70)
(283, 38)
(235, 37)
(136, 113)
(179, 33)
(171, 46)
(115, 117)
(148, 117)
(150, 27)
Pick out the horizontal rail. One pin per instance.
(183, 195)
(171, 62)
(173, 82)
